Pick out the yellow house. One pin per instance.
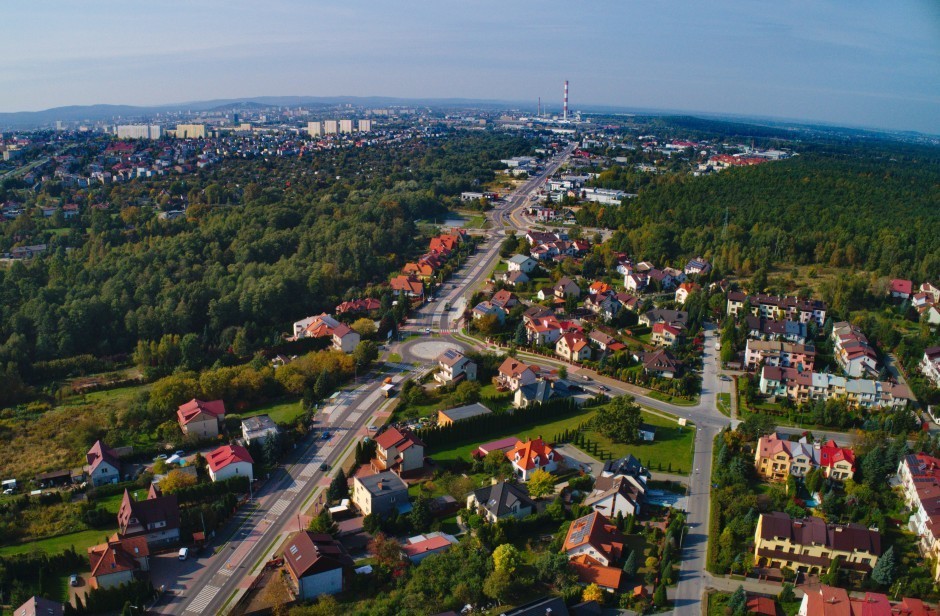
(776, 459)
(810, 545)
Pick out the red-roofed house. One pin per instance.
(530, 455)
(324, 326)
(407, 286)
(590, 571)
(359, 305)
(901, 288)
(593, 535)
(117, 561)
(836, 462)
(665, 335)
(513, 374)
(103, 465)
(201, 418)
(230, 461)
(762, 606)
(399, 451)
(421, 546)
(573, 347)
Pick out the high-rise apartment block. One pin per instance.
(330, 127)
(365, 126)
(314, 129)
(345, 126)
(138, 131)
(190, 131)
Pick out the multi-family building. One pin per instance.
(767, 329)
(777, 459)
(930, 365)
(809, 545)
(919, 479)
(801, 387)
(342, 337)
(831, 601)
(777, 353)
(778, 308)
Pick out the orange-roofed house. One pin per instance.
(513, 374)
(573, 347)
(599, 288)
(399, 451)
(117, 561)
(201, 418)
(230, 461)
(593, 535)
(590, 571)
(534, 454)
(685, 290)
(408, 286)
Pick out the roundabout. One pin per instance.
(428, 349)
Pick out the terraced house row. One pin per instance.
(804, 386)
(777, 459)
(777, 308)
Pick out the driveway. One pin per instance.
(575, 458)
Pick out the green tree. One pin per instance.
(737, 602)
(659, 596)
(498, 585)
(521, 336)
(786, 594)
(323, 523)
(506, 558)
(421, 516)
(365, 353)
(339, 487)
(620, 420)
(885, 569)
(541, 483)
(630, 565)
(364, 327)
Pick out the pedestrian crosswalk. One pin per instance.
(202, 600)
(297, 486)
(279, 507)
(226, 570)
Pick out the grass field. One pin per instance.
(285, 411)
(54, 545)
(672, 399)
(672, 447)
(724, 404)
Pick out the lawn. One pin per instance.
(285, 411)
(54, 545)
(671, 449)
(658, 395)
(724, 404)
(475, 222)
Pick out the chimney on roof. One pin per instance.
(379, 484)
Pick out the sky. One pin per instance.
(865, 63)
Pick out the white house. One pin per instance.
(259, 427)
(230, 461)
(103, 465)
(453, 367)
(521, 263)
(317, 565)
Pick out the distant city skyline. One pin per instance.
(867, 63)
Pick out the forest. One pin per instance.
(263, 242)
(874, 208)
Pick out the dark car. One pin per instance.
(325, 436)
(324, 467)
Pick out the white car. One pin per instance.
(184, 553)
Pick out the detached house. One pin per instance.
(201, 418)
(324, 326)
(565, 287)
(665, 335)
(573, 347)
(407, 286)
(380, 494)
(530, 455)
(685, 290)
(900, 288)
(594, 546)
(157, 518)
(660, 364)
(317, 564)
(118, 561)
(454, 367)
(230, 461)
(522, 263)
(513, 374)
(103, 465)
(398, 451)
(930, 365)
(623, 494)
(500, 501)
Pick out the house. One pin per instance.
(776, 459)
(830, 601)
(852, 351)
(605, 305)
(605, 342)
(573, 347)
(665, 335)
(461, 413)
(777, 353)
(662, 278)
(660, 363)
(590, 571)
(540, 391)
(599, 288)
(103, 466)
(777, 308)
(930, 365)
(399, 451)
(630, 302)
(762, 606)
(419, 547)
(324, 326)
(900, 288)
(837, 463)
(933, 290)
(500, 501)
(596, 537)
(454, 367)
(230, 461)
(543, 331)
(359, 306)
(407, 286)
(487, 308)
(259, 428)
(504, 299)
(676, 318)
(536, 312)
(201, 418)
(514, 278)
(565, 287)
(809, 545)
(380, 494)
(117, 561)
(513, 374)
(697, 266)
(317, 564)
(759, 328)
(635, 281)
(521, 263)
(157, 518)
(613, 494)
(685, 290)
(919, 479)
(37, 606)
(528, 456)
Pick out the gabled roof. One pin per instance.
(524, 454)
(450, 357)
(99, 453)
(401, 440)
(117, 556)
(595, 530)
(226, 455)
(194, 408)
(590, 571)
(164, 509)
(308, 553)
(512, 367)
(38, 606)
(899, 285)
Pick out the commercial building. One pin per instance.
(809, 545)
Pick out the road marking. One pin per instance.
(225, 571)
(297, 486)
(205, 595)
(279, 507)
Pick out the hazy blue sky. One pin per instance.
(853, 62)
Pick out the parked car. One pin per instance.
(184, 553)
(180, 453)
(162, 456)
(73, 579)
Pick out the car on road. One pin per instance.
(603, 388)
(585, 377)
(427, 330)
(324, 467)
(325, 436)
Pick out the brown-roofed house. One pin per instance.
(201, 418)
(809, 545)
(117, 561)
(157, 518)
(317, 565)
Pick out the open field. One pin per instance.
(53, 545)
(283, 411)
(671, 449)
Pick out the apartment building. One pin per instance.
(777, 353)
(919, 479)
(777, 308)
(809, 545)
(852, 351)
(805, 386)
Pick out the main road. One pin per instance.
(275, 511)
